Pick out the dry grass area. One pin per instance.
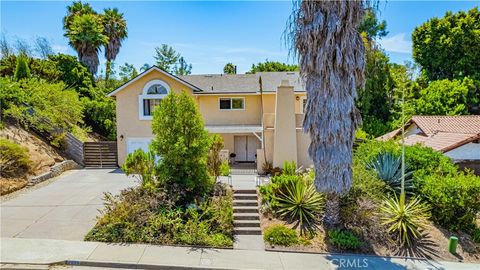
(433, 246)
(41, 154)
(10, 185)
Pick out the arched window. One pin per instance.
(153, 93)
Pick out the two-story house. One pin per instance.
(256, 114)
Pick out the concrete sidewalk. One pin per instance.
(46, 251)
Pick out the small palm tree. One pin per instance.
(115, 27)
(86, 36)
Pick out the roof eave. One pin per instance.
(123, 86)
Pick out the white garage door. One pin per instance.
(137, 143)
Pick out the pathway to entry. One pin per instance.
(247, 231)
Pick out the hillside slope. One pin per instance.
(42, 156)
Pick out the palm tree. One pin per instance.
(86, 36)
(324, 36)
(116, 31)
(76, 9)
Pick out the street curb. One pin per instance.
(345, 254)
(121, 265)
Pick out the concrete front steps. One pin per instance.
(245, 212)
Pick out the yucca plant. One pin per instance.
(301, 203)
(405, 220)
(389, 168)
(289, 168)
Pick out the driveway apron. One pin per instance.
(65, 209)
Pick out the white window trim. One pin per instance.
(231, 107)
(144, 96)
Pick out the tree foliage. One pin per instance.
(182, 142)
(229, 68)
(371, 26)
(182, 67)
(447, 97)
(43, 47)
(22, 71)
(116, 30)
(39, 104)
(86, 35)
(214, 162)
(127, 72)
(271, 66)
(166, 57)
(378, 89)
(447, 48)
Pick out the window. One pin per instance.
(153, 93)
(149, 105)
(304, 104)
(232, 103)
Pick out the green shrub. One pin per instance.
(277, 184)
(301, 203)
(40, 105)
(224, 169)
(344, 240)
(183, 143)
(405, 219)
(389, 169)
(141, 164)
(476, 235)
(22, 71)
(280, 235)
(289, 168)
(455, 200)
(422, 160)
(214, 162)
(14, 159)
(141, 217)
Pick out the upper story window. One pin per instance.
(153, 93)
(231, 103)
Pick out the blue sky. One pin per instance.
(210, 33)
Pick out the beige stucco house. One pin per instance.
(251, 112)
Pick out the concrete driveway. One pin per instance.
(65, 209)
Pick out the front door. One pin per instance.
(246, 148)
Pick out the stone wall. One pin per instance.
(55, 170)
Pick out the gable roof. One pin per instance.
(442, 133)
(152, 68)
(243, 83)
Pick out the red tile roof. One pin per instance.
(443, 133)
(451, 124)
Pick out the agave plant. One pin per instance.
(389, 168)
(405, 220)
(301, 203)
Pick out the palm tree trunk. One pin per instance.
(332, 210)
(107, 70)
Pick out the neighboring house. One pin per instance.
(458, 137)
(250, 111)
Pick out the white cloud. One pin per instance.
(397, 43)
(59, 48)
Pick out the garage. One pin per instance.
(137, 143)
(246, 148)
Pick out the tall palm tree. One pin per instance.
(76, 9)
(324, 36)
(86, 36)
(116, 31)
